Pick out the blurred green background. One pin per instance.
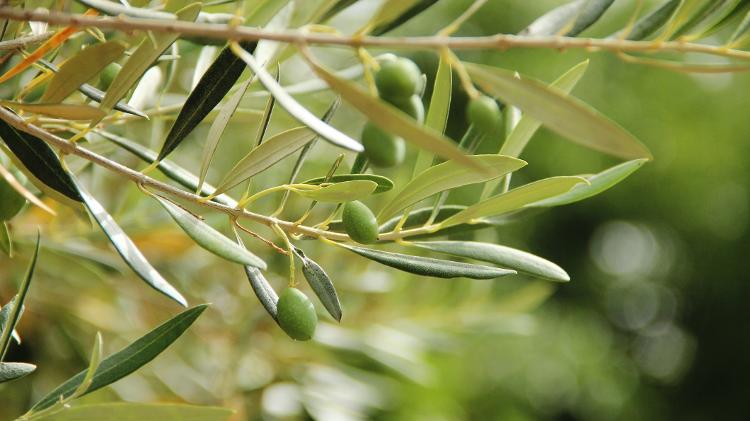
(649, 328)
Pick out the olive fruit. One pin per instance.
(382, 148)
(412, 106)
(483, 113)
(398, 79)
(108, 75)
(11, 202)
(359, 222)
(296, 314)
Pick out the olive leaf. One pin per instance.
(128, 250)
(384, 183)
(420, 216)
(388, 11)
(212, 87)
(209, 238)
(263, 290)
(142, 58)
(13, 371)
(40, 162)
(391, 119)
(427, 266)
(16, 306)
(345, 191)
(515, 199)
(6, 243)
(265, 155)
(5, 314)
(741, 32)
(648, 24)
(597, 184)
(325, 131)
(128, 359)
(449, 175)
(563, 114)
(503, 256)
(130, 411)
(113, 9)
(571, 18)
(80, 69)
(718, 15)
(94, 360)
(95, 94)
(686, 12)
(416, 8)
(437, 112)
(321, 284)
(64, 111)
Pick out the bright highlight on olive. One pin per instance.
(483, 113)
(296, 314)
(360, 223)
(398, 79)
(383, 149)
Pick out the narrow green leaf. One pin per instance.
(115, 9)
(5, 314)
(515, 199)
(18, 302)
(129, 411)
(141, 59)
(265, 155)
(449, 175)
(212, 87)
(321, 284)
(263, 290)
(64, 111)
(437, 112)
(388, 11)
(327, 132)
(563, 114)
(500, 255)
(128, 359)
(94, 361)
(427, 266)
(393, 120)
(417, 8)
(571, 18)
(80, 69)
(128, 250)
(13, 371)
(598, 183)
(419, 217)
(686, 12)
(345, 191)
(209, 238)
(39, 160)
(648, 24)
(741, 32)
(6, 243)
(527, 125)
(384, 183)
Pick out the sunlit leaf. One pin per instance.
(209, 238)
(80, 69)
(266, 154)
(321, 284)
(212, 87)
(449, 175)
(569, 19)
(128, 359)
(128, 250)
(427, 266)
(437, 112)
(503, 256)
(130, 411)
(563, 114)
(598, 183)
(515, 199)
(94, 360)
(64, 111)
(17, 304)
(345, 191)
(384, 183)
(13, 371)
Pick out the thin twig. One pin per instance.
(23, 41)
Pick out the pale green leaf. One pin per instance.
(388, 11)
(14, 314)
(384, 183)
(570, 19)
(80, 69)
(437, 112)
(346, 191)
(64, 111)
(449, 175)
(94, 361)
(563, 114)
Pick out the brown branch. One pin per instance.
(24, 41)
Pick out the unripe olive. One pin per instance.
(296, 314)
(398, 79)
(412, 106)
(11, 202)
(359, 222)
(483, 113)
(382, 148)
(108, 75)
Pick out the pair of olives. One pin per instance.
(399, 82)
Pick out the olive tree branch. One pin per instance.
(497, 42)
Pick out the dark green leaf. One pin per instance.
(40, 160)
(500, 255)
(384, 183)
(402, 18)
(12, 371)
(129, 359)
(213, 86)
(321, 284)
(427, 266)
(127, 249)
(17, 303)
(571, 18)
(263, 290)
(648, 24)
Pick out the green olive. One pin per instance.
(11, 202)
(382, 148)
(483, 113)
(412, 106)
(360, 223)
(108, 75)
(398, 79)
(296, 314)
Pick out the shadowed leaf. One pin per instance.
(321, 284)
